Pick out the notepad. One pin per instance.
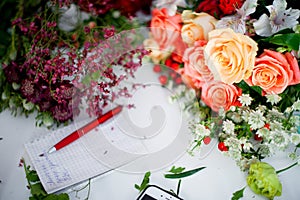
(81, 159)
(150, 136)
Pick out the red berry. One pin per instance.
(168, 62)
(206, 140)
(163, 79)
(178, 80)
(173, 74)
(257, 137)
(222, 146)
(175, 66)
(157, 68)
(267, 126)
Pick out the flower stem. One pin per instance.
(282, 170)
(178, 187)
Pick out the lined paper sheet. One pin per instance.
(81, 159)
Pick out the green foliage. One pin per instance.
(36, 188)
(144, 183)
(176, 170)
(289, 40)
(238, 194)
(179, 173)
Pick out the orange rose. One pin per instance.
(217, 95)
(194, 66)
(196, 26)
(274, 71)
(230, 56)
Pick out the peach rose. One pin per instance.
(274, 71)
(194, 66)
(165, 29)
(196, 26)
(230, 56)
(217, 95)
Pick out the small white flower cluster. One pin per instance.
(252, 134)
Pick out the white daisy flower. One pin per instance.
(295, 138)
(275, 125)
(264, 133)
(234, 147)
(265, 150)
(279, 19)
(246, 144)
(296, 105)
(273, 98)
(274, 114)
(246, 115)
(228, 127)
(235, 117)
(280, 139)
(245, 99)
(293, 156)
(262, 108)
(256, 119)
(201, 130)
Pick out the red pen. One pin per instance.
(85, 129)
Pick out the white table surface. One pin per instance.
(218, 181)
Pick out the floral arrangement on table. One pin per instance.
(241, 60)
(49, 52)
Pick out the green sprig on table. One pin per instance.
(36, 188)
(173, 173)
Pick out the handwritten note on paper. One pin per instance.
(77, 161)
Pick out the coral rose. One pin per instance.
(274, 71)
(230, 56)
(194, 66)
(165, 29)
(196, 26)
(217, 95)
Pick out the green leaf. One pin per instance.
(32, 175)
(184, 174)
(238, 194)
(37, 190)
(144, 183)
(176, 170)
(257, 89)
(62, 196)
(291, 40)
(243, 85)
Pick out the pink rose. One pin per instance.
(217, 95)
(274, 71)
(194, 66)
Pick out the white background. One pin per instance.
(218, 181)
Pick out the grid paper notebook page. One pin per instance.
(93, 154)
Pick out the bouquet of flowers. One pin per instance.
(241, 60)
(48, 59)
